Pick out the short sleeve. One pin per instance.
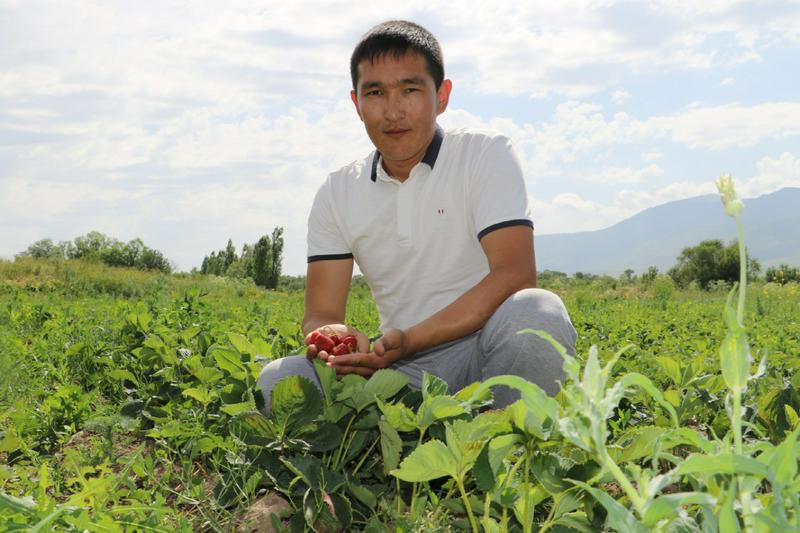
(497, 193)
(325, 239)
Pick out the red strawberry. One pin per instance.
(312, 338)
(351, 343)
(336, 339)
(341, 349)
(324, 343)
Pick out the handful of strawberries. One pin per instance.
(333, 344)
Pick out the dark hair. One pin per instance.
(397, 37)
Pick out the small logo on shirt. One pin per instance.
(440, 211)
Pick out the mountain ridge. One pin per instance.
(656, 236)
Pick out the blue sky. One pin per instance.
(189, 124)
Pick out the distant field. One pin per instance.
(127, 402)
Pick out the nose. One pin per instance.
(395, 107)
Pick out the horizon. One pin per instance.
(186, 129)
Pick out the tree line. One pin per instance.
(261, 261)
(97, 247)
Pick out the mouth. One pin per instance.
(396, 133)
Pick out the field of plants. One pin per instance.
(128, 403)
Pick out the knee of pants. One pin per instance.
(536, 309)
(274, 371)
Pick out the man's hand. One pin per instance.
(392, 346)
(341, 330)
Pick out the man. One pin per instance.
(439, 225)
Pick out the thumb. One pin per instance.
(379, 347)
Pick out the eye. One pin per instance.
(373, 92)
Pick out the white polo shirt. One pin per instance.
(417, 242)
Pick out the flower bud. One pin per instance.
(733, 206)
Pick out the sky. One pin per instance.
(190, 123)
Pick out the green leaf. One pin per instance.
(667, 505)
(256, 424)
(398, 415)
(534, 398)
(638, 380)
(391, 446)
(735, 361)
(295, 403)
(438, 408)
(550, 470)
(229, 361)
(384, 383)
(432, 386)
(670, 367)
(207, 374)
(122, 374)
(577, 521)
(343, 511)
(636, 443)
(327, 379)
(234, 409)
(724, 463)
(242, 344)
(728, 521)
(618, 517)
(429, 461)
(362, 493)
(201, 394)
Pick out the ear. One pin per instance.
(443, 96)
(354, 98)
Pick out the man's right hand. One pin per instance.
(313, 352)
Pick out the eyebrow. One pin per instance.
(416, 80)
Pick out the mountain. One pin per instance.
(656, 236)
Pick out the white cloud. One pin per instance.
(773, 174)
(626, 174)
(727, 82)
(620, 96)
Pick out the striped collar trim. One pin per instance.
(431, 154)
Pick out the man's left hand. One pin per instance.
(392, 346)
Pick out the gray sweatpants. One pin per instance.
(494, 350)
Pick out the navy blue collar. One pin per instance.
(430, 154)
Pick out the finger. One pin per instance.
(359, 370)
(362, 342)
(323, 355)
(311, 349)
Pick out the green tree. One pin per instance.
(230, 255)
(710, 261)
(276, 253)
(262, 262)
(43, 249)
(782, 273)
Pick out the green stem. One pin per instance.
(608, 463)
(487, 502)
(345, 443)
(526, 527)
(742, 272)
(415, 485)
(464, 498)
(364, 457)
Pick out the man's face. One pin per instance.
(397, 100)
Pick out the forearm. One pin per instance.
(471, 310)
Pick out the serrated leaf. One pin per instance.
(398, 415)
(438, 408)
(295, 403)
(234, 409)
(201, 394)
(429, 461)
(432, 386)
(241, 343)
(636, 443)
(229, 361)
(550, 470)
(391, 446)
(384, 383)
